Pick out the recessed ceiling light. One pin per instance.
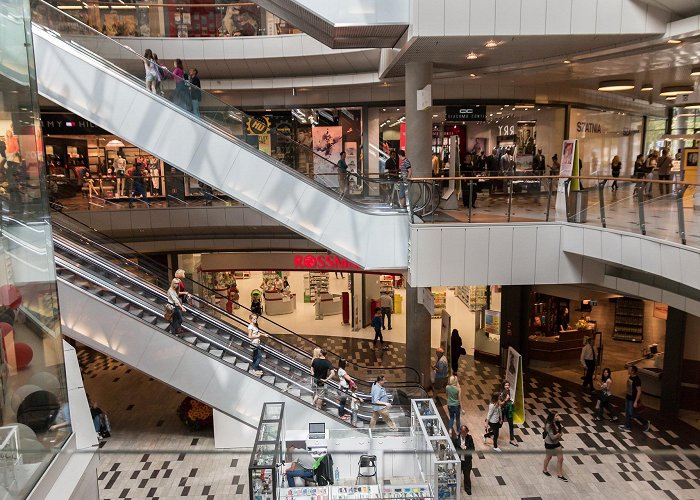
(435, 116)
(472, 75)
(472, 55)
(566, 61)
(695, 71)
(523, 106)
(693, 106)
(685, 115)
(673, 41)
(398, 109)
(647, 87)
(491, 44)
(675, 90)
(616, 85)
(671, 98)
(498, 113)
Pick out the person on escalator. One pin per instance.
(254, 335)
(174, 300)
(321, 370)
(137, 187)
(185, 297)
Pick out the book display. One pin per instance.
(629, 320)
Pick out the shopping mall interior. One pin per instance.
(296, 249)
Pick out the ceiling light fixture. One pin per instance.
(673, 41)
(616, 85)
(647, 87)
(671, 98)
(472, 75)
(676, 90)
(472, 55)
(491, 44)
(523, 106)
(693, 106)
(566, 61)
(695, 71)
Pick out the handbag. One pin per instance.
(169, 311)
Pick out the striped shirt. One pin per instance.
(405, 167)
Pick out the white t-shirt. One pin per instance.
(341, 375)
(254, 333)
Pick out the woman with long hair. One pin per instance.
(454, 405)
(603, 402)
(507, 409)
(493, 420)
(615, 168)
(552, 445)
(178, 308)
(149, 67)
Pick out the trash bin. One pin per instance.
(577, 206)
(398, 303)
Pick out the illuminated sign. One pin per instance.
(316, 261)
(465, 113)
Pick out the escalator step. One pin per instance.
(190, 339)
(217, 352)
(121, 304)
(162, 324)
(294, 392)
(150, 318)
(242, 365)
(203, 345)
(282, 386)
(229, 359)
(136, 311)
(308, 398)
(270, 379)
(109, 297)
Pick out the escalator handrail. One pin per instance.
(158, 292)
(162, 267)
(213, 126)
(146, 306)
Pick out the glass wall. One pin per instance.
(191, 18)
(33, 397)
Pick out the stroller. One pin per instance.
(256, 302)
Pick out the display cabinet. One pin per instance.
(440, 300)
(474, 297)
(629, 319)
(266, 460)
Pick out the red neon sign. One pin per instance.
(309, 261)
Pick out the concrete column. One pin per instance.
(372, 155)
(673, 362)
(418, 123)
(515, 310)
(417, 335)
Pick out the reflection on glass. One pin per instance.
(35, 415)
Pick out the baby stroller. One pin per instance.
(256, 302)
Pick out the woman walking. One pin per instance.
(344, 383)
(507, 409)
(456, 350)
(178, 308)
(493, 421)
(603, 402)
(454, 406)
(615, 168)
(552, 445)
(254, 335)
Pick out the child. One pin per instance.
(377, 324)
(354, 403)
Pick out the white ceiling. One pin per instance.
(681, 8)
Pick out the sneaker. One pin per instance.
(497, 449)
(597, 419)
(614, 419)
(648, 426)
(513, 443)
(563, 478)
(259, 373)
(546, 473)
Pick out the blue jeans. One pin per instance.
(454, 417)
(257, 357)
(631, 413)
(195, 107)
(176, 321)
(291, 474)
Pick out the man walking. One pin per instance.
(633, 401)
(664, 166)
(381, 404)
(387, 304)
(464, 444)
(588, 362)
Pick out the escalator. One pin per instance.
(294, 183)
(115, 306)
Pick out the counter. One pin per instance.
(547, 351)
(487, 346)
(329, 305)
(276, 303)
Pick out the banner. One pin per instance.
(514, 375)
(568, 167)
(327, 144)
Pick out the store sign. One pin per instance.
(589, 127)
(258, 125)
(68, 124)
(465, 113)
(506, 130)
(315, 261)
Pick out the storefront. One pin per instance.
(604, 134)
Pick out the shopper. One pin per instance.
(588, 357)
(321, 370)
(180, 94)
(254, 335)
(137, 188)
(552, 445)
(615, 168)
(638, 171)
(178, 308)
(195, 87)
(440, 371)
(454, 405)
(344, 384)
(342, 175)
(302, 466)
(185, 297)
(162, 73)
(387, 303)
(556, 166)
(493, 420)
(649, 168)
(464, 444)
(381, 404)
(664, 166)
(456, 350)
(507, 409)
(99, 420)
(377, 324)
(603, 402)
(152, 75)
(633, 401)
(404, 176)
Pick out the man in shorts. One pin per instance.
(321, 370)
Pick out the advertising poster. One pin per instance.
(327, 144)
(479, 145)
(526, 133)
(514, 375)
(265, 143)
(492, 322)
(568, 167)
(689, 167)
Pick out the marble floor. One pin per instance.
(152, 455)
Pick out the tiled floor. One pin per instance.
(601, 461)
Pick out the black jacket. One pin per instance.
(464, 455)
(195, 86)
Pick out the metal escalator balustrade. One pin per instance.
(229, 347)
(205, 331)
(286, 341)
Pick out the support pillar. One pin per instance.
(515, 314)
(418, 337)
(418, 123)
(673, 362)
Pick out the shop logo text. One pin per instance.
(323, 262)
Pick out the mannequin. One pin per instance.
(121, 173)
(154, 174)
